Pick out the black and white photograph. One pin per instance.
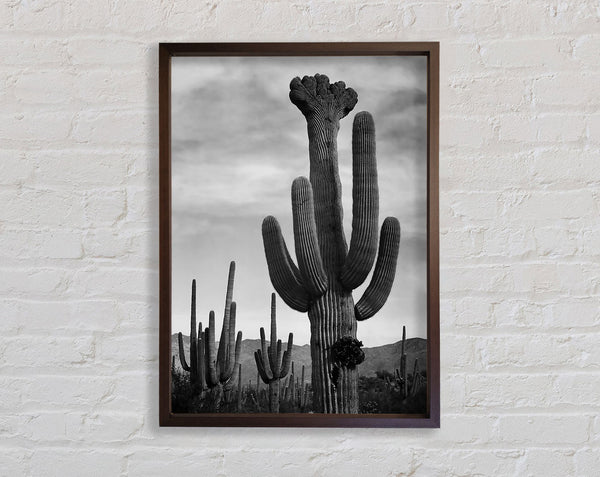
(299, 235)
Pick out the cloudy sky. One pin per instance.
(237, 145)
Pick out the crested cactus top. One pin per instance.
(316, 97)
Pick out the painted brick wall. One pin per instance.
(520, 243)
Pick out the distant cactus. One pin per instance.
(209, 368)
(401, 376)
(272, 365)
(327, 270)
(239, 391)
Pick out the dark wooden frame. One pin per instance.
(432, 417)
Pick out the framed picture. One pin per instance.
(299, 263)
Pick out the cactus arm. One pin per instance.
(379, 289)
(182, 360)
(287, 356)
(264, 354)
(365, 203)
(233, 377)
(284, 275)
(305, 235)
(211, 354)
(261, 368)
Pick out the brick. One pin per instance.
(527, 53)
(15, 168)
(591, 242)
(116, 88)
(539, 461)
(40, 51)
(323, 13)
(585, 50)
(25, 127)
(477, 17)
(564, 167)
(470, 462)
(545, 351)
(107, 128)
(511, 313)
(78, 169)
(548, 207)
(87, 15)
(204, 13)
(555, 242)
(507, 242)
(50, 392)
(469, 93)
(45, 87)
(453, 398)
(32, 282)
(473, 312)
(465, 429)
(138, 349)
(540, 429)
(504, 170)
(502, 391)
(107, 243)
(42, 208)
(63, 462)
(467, 280)
(459, 58)
(106, 207)
(16, 462)
(44, 15)
(379, 17)
(427, 17)
(163, 461)
(105, 282)
(542, 129)
(48, 352)
(458, 350)
(578, 389)
(573, 313)
(466, 132)
(461, 243)
(582, 89)
(593, 128)
(83, 316)
(587, 461)
(91, 51)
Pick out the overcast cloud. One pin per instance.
(238, 143)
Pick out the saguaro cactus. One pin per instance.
(196, 366)
(271, 364)
(327, 271)
(210, 368)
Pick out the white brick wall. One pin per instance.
(520, 239)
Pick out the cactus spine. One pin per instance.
(211, 369)
(327, 272)
(272, 365)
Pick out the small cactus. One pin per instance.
(272, 365)
(210, 368)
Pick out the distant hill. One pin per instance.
(378, 358)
